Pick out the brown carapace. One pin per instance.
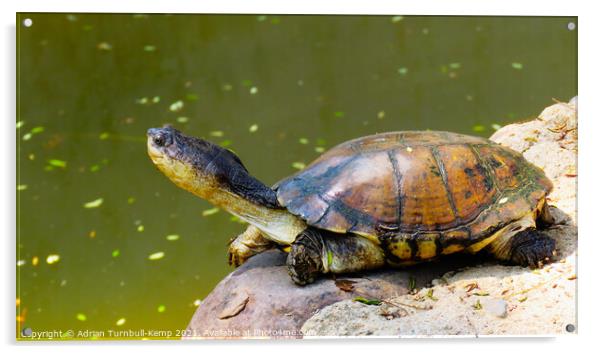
(417, 194)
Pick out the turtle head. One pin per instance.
(205, 169)
(194, 164)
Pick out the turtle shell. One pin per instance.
(446, 187)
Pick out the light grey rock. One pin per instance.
(496, 307)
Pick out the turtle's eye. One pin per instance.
(159, 140)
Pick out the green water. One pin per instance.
(275, 89)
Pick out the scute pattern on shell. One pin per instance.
(415, 183)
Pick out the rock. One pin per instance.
(260, 300)
(496, 307)
(490, 298)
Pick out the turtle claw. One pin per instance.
(238, 253)
(246, 245)
(235, 257)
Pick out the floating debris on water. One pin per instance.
(247, 83)
(94, 204)
(149, 48)
(478, 128)
(496, 126)
(396, 19)
(253, 128)
(211, 211)
(131, 200)
(104, 46)
(71, 18)
(156, 99)
(253, 90)
(298, 165)
(104, 136)
(92, 234)
(517, 66)
(20, 124)
(225, 143)
(21, 262)
(21, 187)
(176, 106)
(161, 308)
(192, 97)
(156, 256)
(140, 228)
(32, 132)
(275, 21)
(172, 237)
(455, 65)
(197, 302)
(339, 114)
(142, 100)
(380, 115)
(319, 149)
(53, 258)
(57, 163)
(402, 71)
(261, 18)
(227, 87)
(94, 168)
(115, 253)
(235, 218)
(303, 141)
(217, 133)
(81, 317)
(120, 322)
(182, 119)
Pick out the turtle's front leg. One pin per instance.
(317, 251)
(247, 244)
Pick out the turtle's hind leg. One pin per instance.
(527, 247)
(532, 248)
(317, 251)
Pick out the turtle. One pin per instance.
(390, 199)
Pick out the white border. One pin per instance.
(590, 176)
